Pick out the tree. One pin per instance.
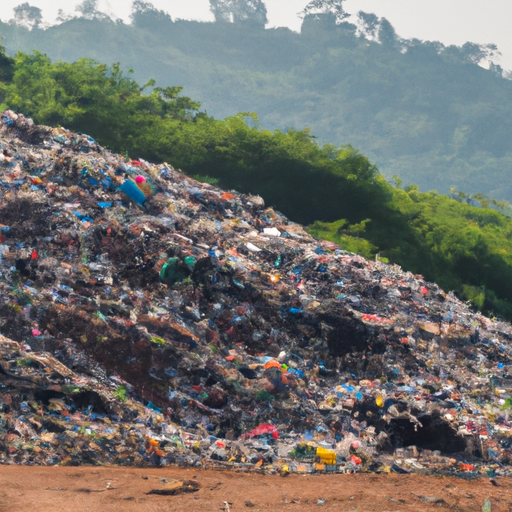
(398, 181)
(475, 53)
(62, 17)
(387, 34)
(89, 11)
(326, 6)
(145, 14)
(235, 11)
(369, 24)
(28, 16)
(6, 67)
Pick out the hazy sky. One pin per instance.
(448, 21)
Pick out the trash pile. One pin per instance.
(150, 319)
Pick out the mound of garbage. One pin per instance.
(150, 319)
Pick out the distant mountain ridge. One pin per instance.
(421, 111)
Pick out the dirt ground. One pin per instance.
(45, 489)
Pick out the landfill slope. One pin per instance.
(149, 319)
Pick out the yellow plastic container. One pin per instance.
(326, 456)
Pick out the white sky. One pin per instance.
(448, 21)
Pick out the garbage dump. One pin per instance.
(149, 319)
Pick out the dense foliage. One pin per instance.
(420, 110)
(335, 189)
(6, 66)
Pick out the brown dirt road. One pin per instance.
(70, 489)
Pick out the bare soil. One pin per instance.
(105, 489)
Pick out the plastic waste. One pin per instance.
(170, 272)
(252, 247)
(240, 328)
(133, 192)
(263, 429)
(271, 232)
(326, 456)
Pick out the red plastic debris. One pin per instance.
(376, 319)
(466, 467)
(264, 428)
(355, 460)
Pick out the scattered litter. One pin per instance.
(147, 319)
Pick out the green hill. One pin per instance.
(419, 110)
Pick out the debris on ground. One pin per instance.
(149, 319)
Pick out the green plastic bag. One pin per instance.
(171, 272)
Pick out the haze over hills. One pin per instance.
(421, 111)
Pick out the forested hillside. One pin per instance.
(463, 243)
(421, 111)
